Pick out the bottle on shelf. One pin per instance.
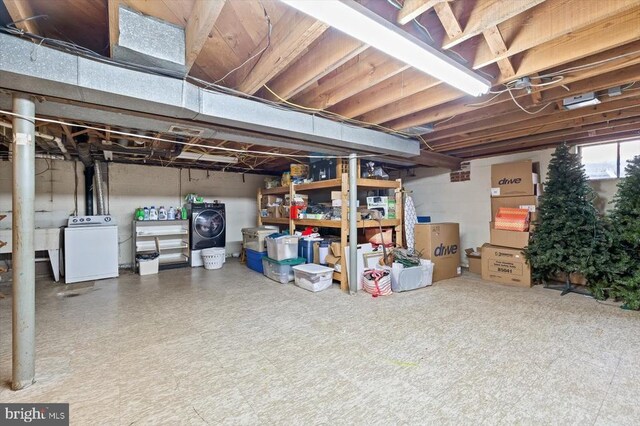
(162, 213)
(139, 213)
(171, 214)
(153, 213)
(146, 213)
(183, 213)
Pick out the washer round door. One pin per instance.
(209, 224)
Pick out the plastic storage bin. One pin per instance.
(148, 267)
(253, 238)
(313, 277)
(305, 248)
(282, 247)
(280, 271)
(254, 260)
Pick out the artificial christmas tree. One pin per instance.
(569, 236)
(625, 219)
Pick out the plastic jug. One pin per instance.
(146, 213)
(162, 213)
(171, 215)
(153, 213)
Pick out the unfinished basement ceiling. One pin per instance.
(564, 48)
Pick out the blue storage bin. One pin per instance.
(254, 260)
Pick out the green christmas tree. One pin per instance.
(569, 236)
(625, 219)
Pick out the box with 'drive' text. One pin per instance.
(440, 242)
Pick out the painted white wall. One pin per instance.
(132, 186)
(469, 203)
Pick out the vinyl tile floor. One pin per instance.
(191, 346)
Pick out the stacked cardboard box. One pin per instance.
(440, 242)
(513, 186)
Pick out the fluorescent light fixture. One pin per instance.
(580, 101)
(207, 157)
(360, 23)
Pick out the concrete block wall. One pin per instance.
(469, 203)
(132, 186)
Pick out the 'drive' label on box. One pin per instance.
(440, 242)
(513, 179)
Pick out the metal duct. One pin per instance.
(64, 75)
(99, 189)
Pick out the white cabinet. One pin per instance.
(170, 238)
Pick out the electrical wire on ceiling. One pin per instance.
(258, 54)
(431, 40)
(213, 87)
(190, 144)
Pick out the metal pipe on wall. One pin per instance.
(23, 223)
(353, 224)
(98, 185)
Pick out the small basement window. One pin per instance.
(608, 161)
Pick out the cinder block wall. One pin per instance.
(468, 203)
(132, 186)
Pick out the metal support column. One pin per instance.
(23, 215)
(353, 224)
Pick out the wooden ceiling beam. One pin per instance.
(496, 44)
(411, 9)
(553, 19)
(199, 28)
(487, 14)
(20, 10)
(492, 115)
(113, 10)
(603, 36)
(370, 68)
(606, 131)
(602, 78)
(434, 159)
(520, 124)
(333, 50)
(448, 19)
(294, 34)
(392, 89)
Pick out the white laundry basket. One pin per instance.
(213, 258)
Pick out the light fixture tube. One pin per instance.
(186, 155)
(360, 23)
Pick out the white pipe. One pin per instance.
(55, 139)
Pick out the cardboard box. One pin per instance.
(505, 265)
(336, 195)
(299, 199)
(513, 239)
(273, 212)
(440, 242)
(335, 253)
(338, 203)
(514, 179)
(474, 257)
(270, 200)
(529, 202)
(299, 170)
